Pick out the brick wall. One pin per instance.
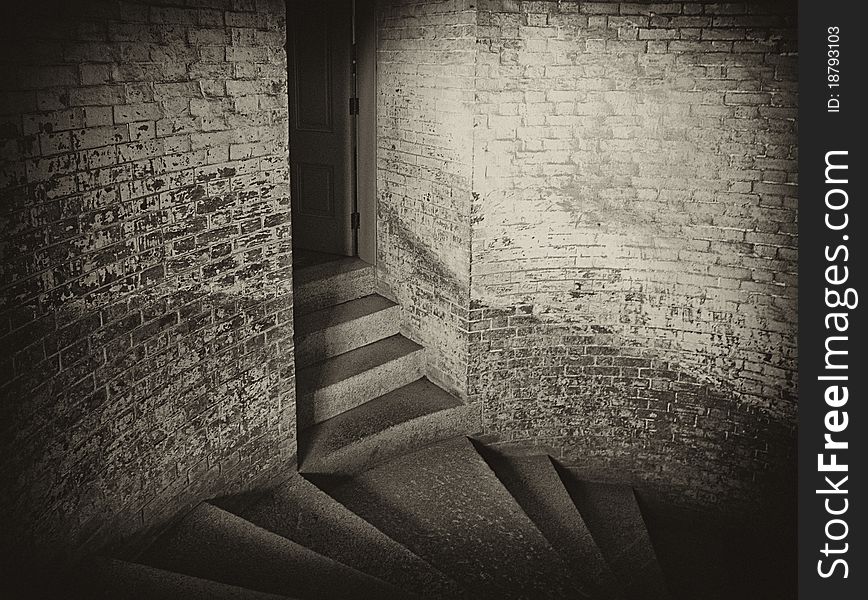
(145, 300)
(634, 237)
(426, 67)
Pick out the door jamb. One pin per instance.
(365, 39)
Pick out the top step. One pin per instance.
(323, 284)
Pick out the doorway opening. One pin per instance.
(331, 63)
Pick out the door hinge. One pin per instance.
(354, 106)
(355, 220)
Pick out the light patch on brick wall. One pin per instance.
(425, 70)
(634, 236)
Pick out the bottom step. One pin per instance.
(214, 544)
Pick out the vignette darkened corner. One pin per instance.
(398, 299)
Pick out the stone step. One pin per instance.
(338, 384)
(212, 543)
(536, 486)
(300, 511)
(615, 520)
(448, 507)
(337, 329)
(110, 579)
(325, 284)
(402, 420)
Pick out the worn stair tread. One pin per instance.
(538, 489)
(111, 579)
(400, 421)
(355, 362)
(329, 283)
(615, 520)
(341, 383)
(446, 505)
(342, 313)
(406, 403)
(300, 511)
(215, 544)
(328, 268)
(344, 327)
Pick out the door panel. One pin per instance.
(316, 189)
(319, 39)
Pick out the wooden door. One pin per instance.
(319, 55)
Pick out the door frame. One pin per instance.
(365, 40)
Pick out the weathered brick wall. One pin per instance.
(146, 287)
(634, 238)
(425, 63)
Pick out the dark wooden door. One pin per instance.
(319, 53)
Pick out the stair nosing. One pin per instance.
(303, 329)
(308, 386)
(319, 441)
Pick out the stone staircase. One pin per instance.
(450, 520)
(362, 395)
(393, 501)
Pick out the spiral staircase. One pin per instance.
(393, 501)
(452, 520)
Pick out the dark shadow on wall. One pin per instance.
(426, 263)
(145, 289)
(621, 410)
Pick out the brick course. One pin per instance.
(146, 313)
